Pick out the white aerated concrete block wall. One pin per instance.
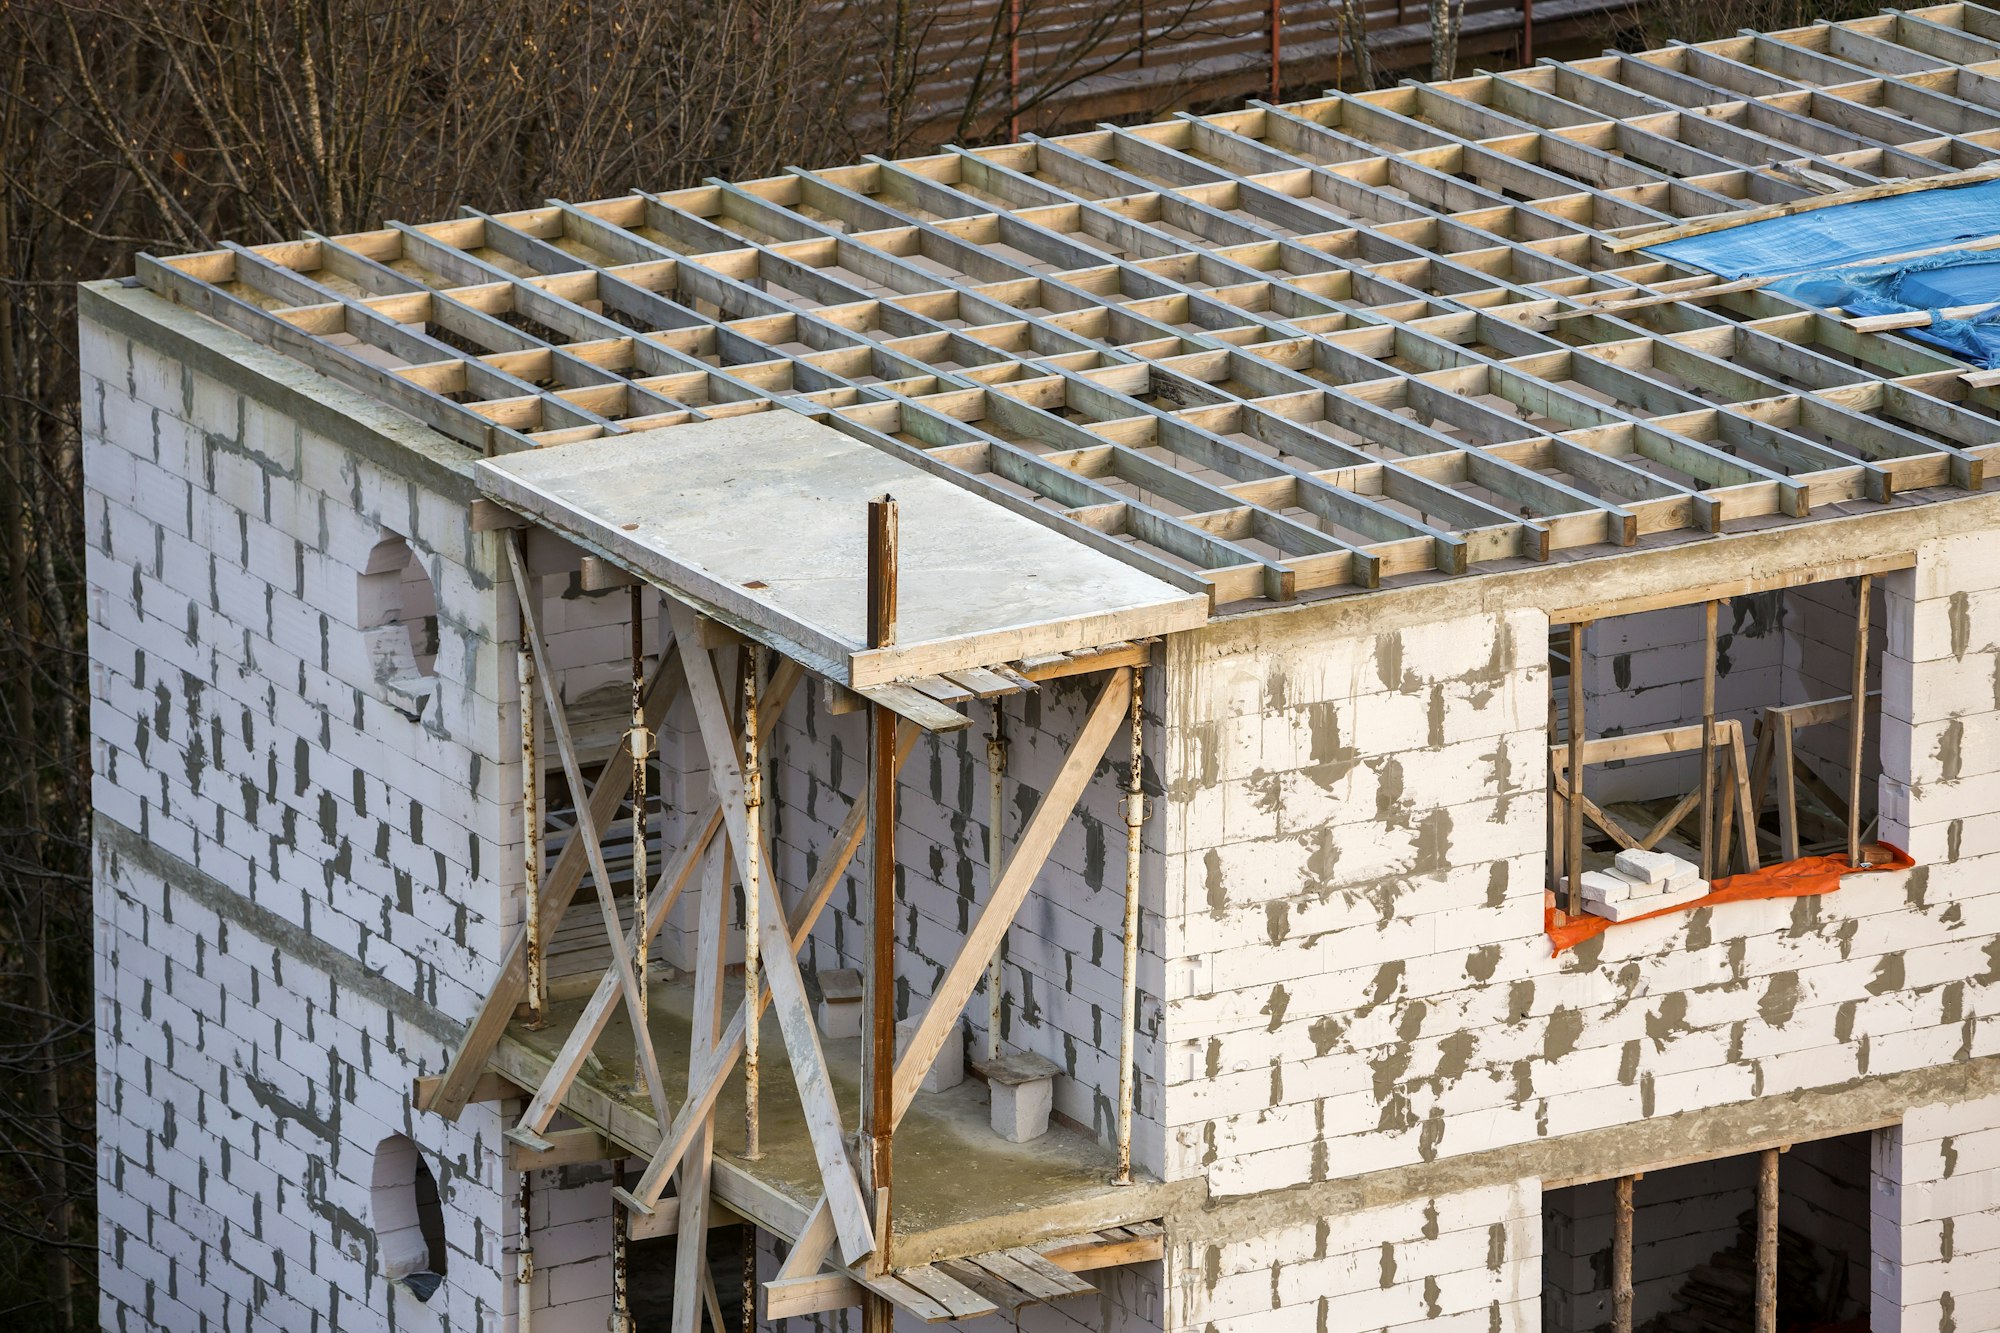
(570, 1214)
(1358, 975)
(298, 883)
(1465, 1261)
(1937, 1220)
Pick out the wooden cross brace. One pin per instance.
(1010, 890)
(795, 1020)
(559, 887)
(586, 831)
(673, 879)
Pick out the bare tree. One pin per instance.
(949, 73)
(1447, 17)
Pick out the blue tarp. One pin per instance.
(1844, 233)
(1814, 246)
(1935, 282)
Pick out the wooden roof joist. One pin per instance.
(1327, 344)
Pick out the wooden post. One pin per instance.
(1573, 839)
(1527, 32)
(1708, 866)
(1857, 722)
(1621, 1257)
(1767, 1242)
(1277, 47)
(878, 1114)
(1014, 69)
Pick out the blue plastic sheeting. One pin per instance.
(1844, 233)
(1935, 282)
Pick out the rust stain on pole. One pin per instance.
(1708, 866)
(1621, 1258)
(1574, 834)
(1128, 1027)
(1857, 721)
(996, 782)
(531, 823)
(640, 747)
(1767, 1242)
(753, 888)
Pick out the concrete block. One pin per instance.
(1648, 867)
(840, 1004)
(948, 1070)
(1022, 1086)
(1656, 902)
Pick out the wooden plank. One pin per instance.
(942, 1287)
(920, 708)
(985, 684)
(488, 1087)
(912, 1300)
(1087, 1257)
(1032, 1273)
(1859, 194)
(799, 1297)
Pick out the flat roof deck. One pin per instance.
(767, 521)
(960, 1188)
(1322, 345)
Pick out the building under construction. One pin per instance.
(1368, 713)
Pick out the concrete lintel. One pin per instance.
(345, 971)
(1601, 1154)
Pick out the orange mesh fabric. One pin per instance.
(1803, 878)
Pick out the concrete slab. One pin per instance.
(960, 1189)
(765, 518)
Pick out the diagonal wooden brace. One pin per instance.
(707, 1084)
(673, 879)
(1010, 889)
(586, 833)
(558, 889)
(795, 1020)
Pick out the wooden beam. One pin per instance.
(567, 1147)
(488, 1087)
(1860, 194)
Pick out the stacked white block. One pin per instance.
(1640, 882)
